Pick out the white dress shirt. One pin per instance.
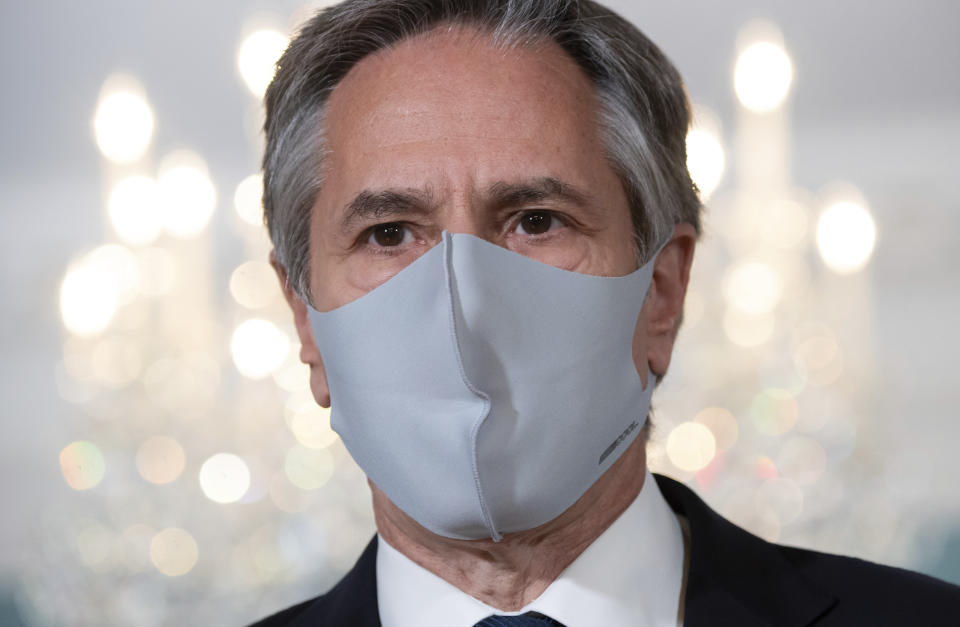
(630, 576)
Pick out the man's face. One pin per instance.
(446, 132)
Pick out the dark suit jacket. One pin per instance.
(734, 579)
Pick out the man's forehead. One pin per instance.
(461, 68)
(450, 117)
(459, 46)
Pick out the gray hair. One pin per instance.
(643, 108)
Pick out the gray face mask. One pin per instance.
(482, 391)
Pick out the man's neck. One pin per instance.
(511, 573)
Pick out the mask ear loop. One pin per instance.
(475, 429)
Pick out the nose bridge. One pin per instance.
(462, 212)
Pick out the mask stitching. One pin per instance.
(475, 429)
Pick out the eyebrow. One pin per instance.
(375, 205)
(503, 194)
(371, 205)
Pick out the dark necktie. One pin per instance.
(530, 619)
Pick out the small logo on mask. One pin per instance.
(623, 436)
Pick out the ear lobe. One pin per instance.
(309, 351)
(668, 288)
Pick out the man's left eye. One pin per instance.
(536, 222)
(390, 234)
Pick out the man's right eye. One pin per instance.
(390, 234)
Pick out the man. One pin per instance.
(484, 226)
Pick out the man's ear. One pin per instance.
(663, 308)
(309, 352)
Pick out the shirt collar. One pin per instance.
(630, 575)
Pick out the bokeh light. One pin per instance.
(258, 348)
(257, 58)
(224, 478)
(78, 359)
(183, 385)
(746, 330)
(309, 422)
(134, 210)
(774, 411)
(88, 300)
(762, 76)
(160, 459)
(308, 468)
(123, 123)
(254, 284)
(259, 479)
(119, 263)
(95, 544)
(705, 156)
(293, 376)
(785, 226)
(188, 196)
(722, 424)
(846, 236)
(708, 475)
(286, 496)
(781, 496)
(174, 552)
(764, 467)
(257, 557)
(802, 459)
(116, 361)
(818, 359)
(158, 271)
(753, 287)
(691, 446)
(82, 465)
(693, 308)
(248, 198)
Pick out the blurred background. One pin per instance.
(162, 461)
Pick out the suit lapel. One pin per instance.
(353, 601)
(736, 578)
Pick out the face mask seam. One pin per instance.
(475, 429)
